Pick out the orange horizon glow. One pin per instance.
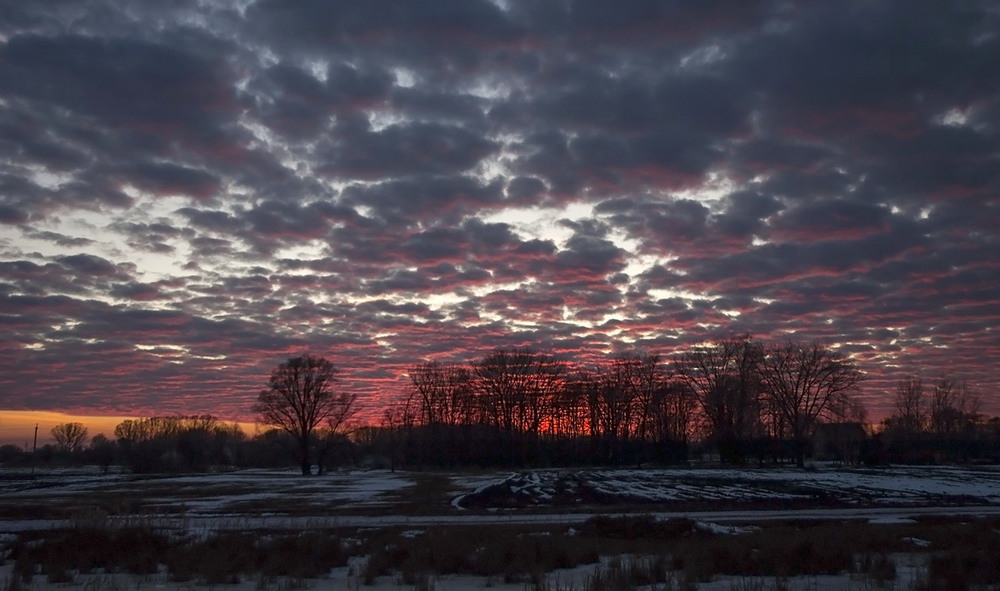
(17, 427)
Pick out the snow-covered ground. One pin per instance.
(270, 492)
(267, 498)
(256, 499)
(252, 490)
(878, 486)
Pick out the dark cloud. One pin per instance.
(409, 200)
(666, 224)
(192, 192)
(140, 292)
(60, 239)
(119, 82)
(401, 150)
(299, 106)
(447, 30)
(89, 265)
(808, 221)
(12, 215)
(212, 220)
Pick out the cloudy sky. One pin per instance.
(191, 192)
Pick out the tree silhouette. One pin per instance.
(953, 406)
(69, 436)
(723, 378)
(336, 428)
(443, 393)
(612, 401)
(516, 388)
(911, 410)
(804, 384)
(300, 396)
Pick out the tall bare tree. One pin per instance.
(911, 408)
(443, 393)
(516, 389)
(645, 378)
(672, 414)
(298, 398)
(516, 385)
(336, 428)
(804, 384)
(613, 402)
(70, 436)
(723, 378)
(395, 419)
(632, 403)
(953, 405)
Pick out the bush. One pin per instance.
(221, 558)
(639, 527)
(512, 554)
(134, 550)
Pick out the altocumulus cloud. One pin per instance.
(192, 192)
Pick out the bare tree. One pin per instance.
(70, 437)
(604, 400)
(102, 450)
(953, 405)
(632, 403)
(804, 384)
(569, 409)
(673, 413)
(516, 385)
(298, 398)
(336, 428)
(723, 378)
(645, 377)
(443, 393)
(613, 402)
(516, 388)
(911, 410)
(145, 429)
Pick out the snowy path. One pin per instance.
(233, 523)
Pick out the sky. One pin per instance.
(193, 192)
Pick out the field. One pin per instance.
(697, 528)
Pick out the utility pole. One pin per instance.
(34, 450)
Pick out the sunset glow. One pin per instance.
(18, 427)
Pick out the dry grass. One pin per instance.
(637, 551)
(428, 495)
(511, 554)
(221, 558)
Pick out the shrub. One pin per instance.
(639, 527)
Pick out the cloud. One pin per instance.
(358, 152)
(298, 106)
(190, 193)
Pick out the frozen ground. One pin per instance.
(284, 499)
(253, 492)
(257, 493)
(721, 500)
(923, 485)
(572, 579)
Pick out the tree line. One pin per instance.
(522, 406)
(936, 423)
(741, 398)
(178, 444)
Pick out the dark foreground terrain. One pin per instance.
(902, 528)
